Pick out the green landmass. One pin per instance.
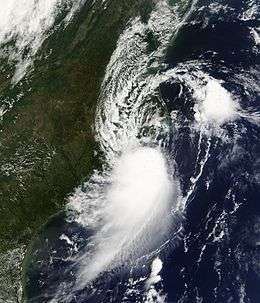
(47, 139)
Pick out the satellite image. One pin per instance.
(129, 151)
